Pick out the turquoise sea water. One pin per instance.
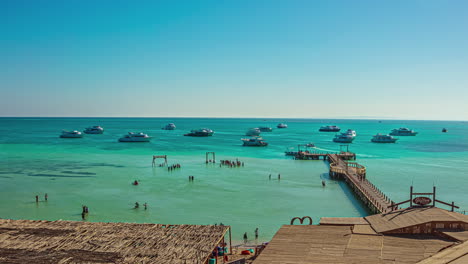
(97, 171)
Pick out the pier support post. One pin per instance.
(230, 241)
(411, 196)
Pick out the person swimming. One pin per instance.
(135, 182)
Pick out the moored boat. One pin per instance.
(254, 142)
(169, 126)
(282, 125)
(444, 130)
(135, 137)
(350, 132)
(253, 132)
(265, 129)
(291, 152)
(343, 138)
(329, 129)
(403, 131)
(94, 130)
(203, 132)
(379, 138)
(71, 134)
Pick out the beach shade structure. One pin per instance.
(26, 241)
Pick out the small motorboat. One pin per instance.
(71, 134)
(329, 129)
(135, 137)
(169, 126)
(282, 125)
(444, 130)
(94, 130)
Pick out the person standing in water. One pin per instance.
(137, 205)
(37, 198)
(245, 238)
(45, 197)
(256, 233)
(145, 205)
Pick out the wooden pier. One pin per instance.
(306, 155)
(354, 175)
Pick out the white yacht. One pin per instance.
(94, 130)
(169, 126)
(266, 129)
(403, 131)
(379, 138)
(282, 125)
(254, 142)
(329, 129)
(343, 138)
(71, 134)
(135, 137)
(350, 132)
(253, 132)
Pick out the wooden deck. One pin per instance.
(340, 245)
(404, 218)
(346, 221)
(307, 155)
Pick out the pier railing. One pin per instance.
(336, 168)
(360, 169)
(355, 175)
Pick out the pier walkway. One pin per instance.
(354, 175)
(306, 155)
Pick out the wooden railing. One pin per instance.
(334, 167)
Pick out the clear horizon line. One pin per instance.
(233, 117)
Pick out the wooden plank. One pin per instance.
(343, 221)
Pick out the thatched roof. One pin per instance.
(411, 217)
(25, 241)
(338, 244)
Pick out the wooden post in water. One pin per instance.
(230, 241)
(212, 154)
(411, 196)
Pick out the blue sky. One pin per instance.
(244, 58)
